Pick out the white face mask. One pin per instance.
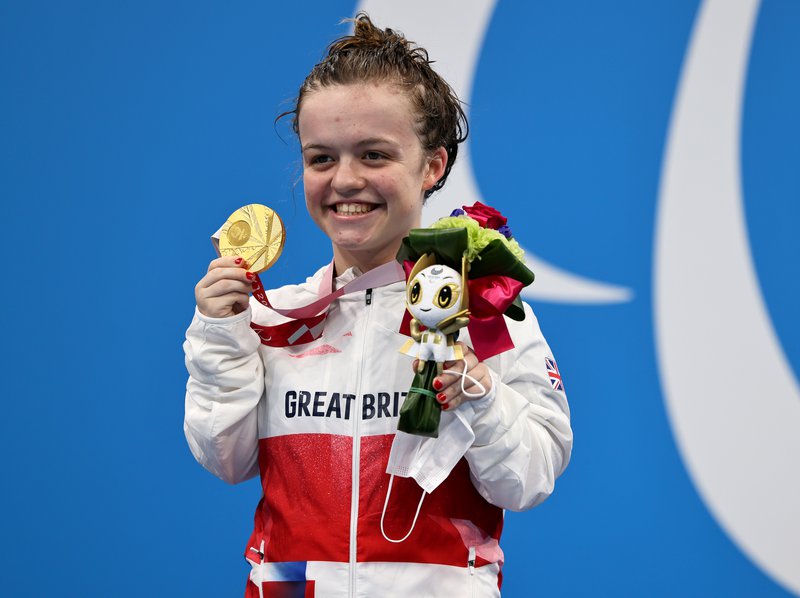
(428, 460)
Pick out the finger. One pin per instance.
(454, 402)
(225, 301)
(227, 276)
(474, 377)
(226, 305)
(450, 403)
(215, 275)
(448, 379)
(443, 400)
(468, 356)
(241, 304)
(475, 385)
(221, 288)
(223, 291)
(224, 287)
(228, 261)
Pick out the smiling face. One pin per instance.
(364, 169)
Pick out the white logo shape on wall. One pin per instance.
(455, 38)
(736, 426)
(732, 398)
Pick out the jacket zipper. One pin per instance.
(356, 473)
(471, 567)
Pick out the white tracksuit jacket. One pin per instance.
(317, 422)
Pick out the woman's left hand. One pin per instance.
(448, 386)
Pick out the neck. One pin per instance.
(342, 260)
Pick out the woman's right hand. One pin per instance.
(224, 291)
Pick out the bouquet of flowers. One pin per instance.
(464, 270)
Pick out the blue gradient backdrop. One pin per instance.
(128, 131)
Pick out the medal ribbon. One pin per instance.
(307, 322)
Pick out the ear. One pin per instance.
(434, 166)
(425, 260)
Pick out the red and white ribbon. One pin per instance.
(307, 322)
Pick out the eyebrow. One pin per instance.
(374, 140)
(314, 146)
(361, 143)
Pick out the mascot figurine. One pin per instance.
(437, 298)
(469, 254)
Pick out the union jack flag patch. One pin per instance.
(554, 374)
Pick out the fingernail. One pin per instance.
(441, 397)
(250, 275)
(255, 285)
(437, 384)
(445, 407)
(238, 260)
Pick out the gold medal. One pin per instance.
(254, 233)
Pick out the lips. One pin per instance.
(353, 209)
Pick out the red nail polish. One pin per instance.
(250, 275)
(437, 384)
(238, 260)
(441, 397)
(255, 285)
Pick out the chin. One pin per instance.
(358, 237)
(354, 242)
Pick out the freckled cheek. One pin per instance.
(314, 189)
(393, 189)
(382, 182)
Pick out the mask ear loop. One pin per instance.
(464, 375)
(383, 513)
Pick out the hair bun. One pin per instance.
(385, 55)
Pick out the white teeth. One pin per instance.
(353, 208)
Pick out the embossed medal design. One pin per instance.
(254, 233)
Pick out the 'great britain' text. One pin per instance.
(303, 403)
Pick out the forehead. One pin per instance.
(369, 109)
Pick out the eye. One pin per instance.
(414, 293)
(321, 159)
(372, 155)
(446, 296)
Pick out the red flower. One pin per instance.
(486, 216)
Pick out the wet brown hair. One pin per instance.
(373, 54)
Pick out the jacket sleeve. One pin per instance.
(226, 382)
(523, 438)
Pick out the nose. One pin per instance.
(348, 177)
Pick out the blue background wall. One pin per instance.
(129, 131)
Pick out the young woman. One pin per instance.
(379, 132)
